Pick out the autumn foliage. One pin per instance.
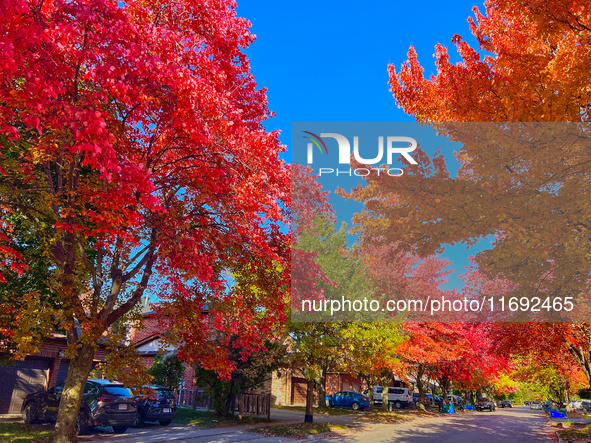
(132, 141)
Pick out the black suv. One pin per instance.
(485, 403)
(159, 405)
(104, 403)
(506, 404)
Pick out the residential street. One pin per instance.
(516, 425)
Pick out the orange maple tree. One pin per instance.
(523, 178)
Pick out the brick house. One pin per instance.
(288, 386)
(43, 370)
(147, 341)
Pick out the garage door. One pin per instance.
(20, 379)
(299, 389)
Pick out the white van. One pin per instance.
(377, 395)
(400, 397)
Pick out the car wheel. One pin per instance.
(120, 429)
(165, 422)
(30, 413)
(140, 422)
(82, 424)
(355, 406)
(398, 405)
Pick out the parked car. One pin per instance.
(576, 404)
(535, 405)
(104, 403)
(484, 403)
(415, 399)
(506, 404)
(159, 405)
(526, 402)
(400, 397)
(348, 399)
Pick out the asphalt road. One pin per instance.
(515, 425)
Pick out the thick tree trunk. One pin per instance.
(444, 385)
(421, 389)
(309, 417)
(322, 387)
(80, 366)
(385, 384)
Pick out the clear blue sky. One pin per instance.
(326, 61)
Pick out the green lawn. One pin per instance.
(326, 411)
(208, 419)
(298, 430)
(21, 433)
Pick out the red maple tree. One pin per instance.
(132, 140)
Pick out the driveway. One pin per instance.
(515, 425)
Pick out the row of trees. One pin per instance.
(525, 185)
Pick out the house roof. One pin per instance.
(149, 348)
(147, 339)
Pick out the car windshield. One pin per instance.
(118, 391)
(164, 393)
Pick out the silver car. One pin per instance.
(535, 405)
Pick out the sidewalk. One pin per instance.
(194, 434)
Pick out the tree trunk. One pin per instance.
(309, 417)
(322, 387)
(80, 366)
(386, 381)
(444, 385)
(421, 389)
(370, 385)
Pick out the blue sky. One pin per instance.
(326, 61)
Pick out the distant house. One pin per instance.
(147, 341)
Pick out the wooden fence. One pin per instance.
(254, 404)
(246, 404)
(194, 398)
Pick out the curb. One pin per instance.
(561, 440)
(319, 436)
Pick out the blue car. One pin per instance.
(348, 399)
